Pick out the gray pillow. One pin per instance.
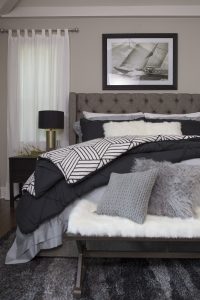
(127, 195)
(176, 189)
(77, 129)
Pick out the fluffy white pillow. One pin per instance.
(164, 128)
(125, 128)
(141, 128)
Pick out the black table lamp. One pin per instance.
(51, 120)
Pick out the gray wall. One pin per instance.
(86, 54)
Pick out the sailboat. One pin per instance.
(147, 61)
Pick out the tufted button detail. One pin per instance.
(79, 111)
(153, 111)
(161, 100)
(146, 100)
(123, 111)
(131, 100)
(169, 112)
(191, 100)
(93, 110)
(100, 100)
(86, 100)
(183, 111)
(108, 111)
(116, 100)
(177, 100)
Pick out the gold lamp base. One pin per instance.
(50, 139)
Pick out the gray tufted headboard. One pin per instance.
(166, 103)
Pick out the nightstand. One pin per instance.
(20, 168)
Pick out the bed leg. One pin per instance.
(78, 286)
(79, 277)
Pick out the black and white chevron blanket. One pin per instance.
(78, 161)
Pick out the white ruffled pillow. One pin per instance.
(141, 128)
(189, 116)
(111, 116)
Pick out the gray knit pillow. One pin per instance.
(176, 188)
(127, 195)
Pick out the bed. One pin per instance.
(118, 246)
(142, 247)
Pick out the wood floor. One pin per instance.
(7, 217)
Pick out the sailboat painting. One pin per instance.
(140, 61)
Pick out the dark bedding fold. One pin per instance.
(46, 176)
(53, 194)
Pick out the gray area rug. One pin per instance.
(105, 279)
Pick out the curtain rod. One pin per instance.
(75, 29)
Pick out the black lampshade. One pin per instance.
(51, 119)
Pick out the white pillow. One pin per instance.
(141, 128)
(100, 116)
(191, 116)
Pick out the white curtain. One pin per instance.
(38, 79)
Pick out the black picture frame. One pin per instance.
(154, 56)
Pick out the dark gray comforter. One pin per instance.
(53, 194)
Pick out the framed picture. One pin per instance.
(141, 61)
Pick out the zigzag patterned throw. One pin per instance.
(80, 160)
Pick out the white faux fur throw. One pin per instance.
(141, 128)
(83, 220)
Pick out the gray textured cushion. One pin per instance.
(176, 188)
(77, 129)
(127, 195)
